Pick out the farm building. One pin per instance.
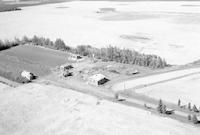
(66, 73)
(198, 118)
(66, 67)
(169, 111)
(97, 79)
(27, 75)
(75, 57)
(78, 57)
(135, 72)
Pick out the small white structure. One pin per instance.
(135, 72)
(169, 111)
(27, 75)
(198, 118)
(97, 79)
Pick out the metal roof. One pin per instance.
(97, 77)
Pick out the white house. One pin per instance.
(27, 75)
(97, 79)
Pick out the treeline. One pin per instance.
(109, 53)
(127, 56)
(6, 44)
(10, 9)
(38, 41)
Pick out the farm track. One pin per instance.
(137, 101)
(142, 82)
(164, 81)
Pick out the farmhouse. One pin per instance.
(97, 79)
(27, 75)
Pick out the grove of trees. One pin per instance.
(126, 56)
(109, 53)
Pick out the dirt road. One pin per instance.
(137, 101)
(154, 79)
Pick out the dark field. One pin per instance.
(31, 58)
(6, 6)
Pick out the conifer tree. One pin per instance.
(179, 102)
(189, 117)
(189, 106)
(194, 119)
(164, 109)
(160, 106)
(195, 109)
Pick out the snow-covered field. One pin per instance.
(37, 109)
(169, 29)
(3, 86)
(153, 79)
(186, 89)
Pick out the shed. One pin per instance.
(198, 118)
(169, 111)
(135, 72)
(27, 75)
(78, 57)
(67, 73)
(66, 67)
(132, 72)
(97, 79)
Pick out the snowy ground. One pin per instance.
(3, 86)
(169, 29)
(171, 86)
(49, 110)
(153, 79)
(186, 89)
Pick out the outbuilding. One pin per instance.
(169, 111)
(27, 75)
(135, 72)
(97, 79)
(66, 67)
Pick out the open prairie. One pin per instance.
(3, 86)
(49, 110)
(31, 58)
(170, 86)
(168, 29)
(186, 89)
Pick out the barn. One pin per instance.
(27, 75)
(97, 79)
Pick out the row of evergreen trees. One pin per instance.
(191, 117)
(127, 56)
(40, 41)
(109, 53)
(59, 44)
(189, 107)
(8, 44)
